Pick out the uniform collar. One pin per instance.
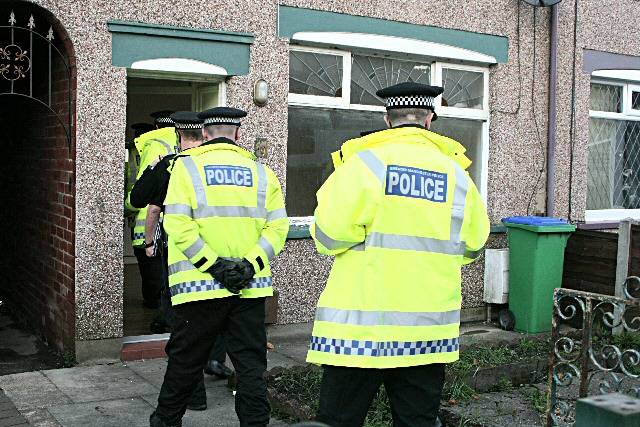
(221, 144)
(220, 140)
(410, 125)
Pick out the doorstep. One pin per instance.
(143, 347)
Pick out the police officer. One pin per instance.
(151, 190)
(402, 216)
(225, 217)
(131, 171)
(152, 146)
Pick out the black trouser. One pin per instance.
(414, 394)
(218, 352)
(152, 271)
(241, 321)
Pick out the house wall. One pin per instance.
(518, 127)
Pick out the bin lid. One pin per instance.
(539, 224)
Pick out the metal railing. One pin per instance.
(595, 348)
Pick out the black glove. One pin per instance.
(223, 270)
(244, 273)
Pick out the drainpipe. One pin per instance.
(553, 115)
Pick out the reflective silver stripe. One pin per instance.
(140, 223)
(193, 250)
(267, 247)
(358, 247)
(178, 209)
(262, 186)
(277, 214)
(414, 243)
(201, 195)
(229, 211)
(330, 243)
(387, 318)
(179, 266)
(374, 164)
(168, 147)
(459, 202)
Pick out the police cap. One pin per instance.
(410, 95)
(186, 120)
(222, 116)
(162, 116)
(141, 128)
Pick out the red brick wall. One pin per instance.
(38, 193)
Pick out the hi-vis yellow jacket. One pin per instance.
(151, 146)
(221, 202)
(402, 217)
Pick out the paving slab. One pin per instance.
(510, 408)
(102, 382)
(31, 390)
(132, 412)
(40, 417)
(293, 350)
(276, 358)
(151, 370)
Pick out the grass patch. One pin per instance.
(304, 384)
(538, 400)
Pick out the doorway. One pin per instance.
(149, 91)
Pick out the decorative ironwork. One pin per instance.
(14, 62)
(17, 65)
(593, 350)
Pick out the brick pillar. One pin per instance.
(37, 231)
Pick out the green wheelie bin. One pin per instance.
(536, 260)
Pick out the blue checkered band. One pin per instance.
(383, 349)
(138, 236)
(164, 120)
(185, 126)
(214, 285)
(221, 120)
(415, 101)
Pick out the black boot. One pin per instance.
(218, 369)
(156, 421)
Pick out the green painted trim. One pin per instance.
(292, 20)
(133, 41)
(302, 231)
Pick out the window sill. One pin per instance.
(611, 215)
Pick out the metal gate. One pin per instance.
(18, 72)
(596, 348)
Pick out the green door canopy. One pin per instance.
(293, 20)
(134, 41)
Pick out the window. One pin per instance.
(613, 169)
(332, 99)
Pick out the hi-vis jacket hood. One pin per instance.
(447, 146)
(163, 136)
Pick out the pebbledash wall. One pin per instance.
(518, 123)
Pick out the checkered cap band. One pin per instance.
(164, 120)
(188, 125)
(416, 101)
(221, 120)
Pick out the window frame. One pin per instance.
(628, 99)
(344, 102)
(627, 114)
